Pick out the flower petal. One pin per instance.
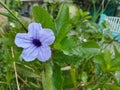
(47, 37)
(29, 54)
(23, 40)
(35, 30)
(44, 53)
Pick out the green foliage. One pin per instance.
(14, 5)
(83, 58)
(47, 78)
(63, 25)
(57, 77)
(43, 17)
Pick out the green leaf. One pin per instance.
(67, 44)
(84, 52)
(57, 77)
(9, 76)
(21, 69)
(112, 86)
(61, 58)
(84, 77)
(61, 35)
(47, 77)
(117, 76)
(107, 56)
(62, 17)
(115, 63)
(43, 17)
(99, 59)
(63, 25)
(116, 51)
(90, 44)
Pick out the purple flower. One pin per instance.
(35, 43)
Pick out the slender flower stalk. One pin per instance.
(47, 75)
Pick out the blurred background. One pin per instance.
(24, 6)
(81, 17)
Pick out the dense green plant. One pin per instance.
(98, 2)
(83, 57)
(98, 7)
(51, 8)
(14, 5)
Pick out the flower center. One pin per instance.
(36, 42)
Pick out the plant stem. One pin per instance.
(23, 81)
(47, 77)
(18, 88)
(13, 15)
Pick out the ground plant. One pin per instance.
(64, 52)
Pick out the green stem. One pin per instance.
(47, 77)
(73, 75)
(100, 10)
(13, 15)
(7, 15)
